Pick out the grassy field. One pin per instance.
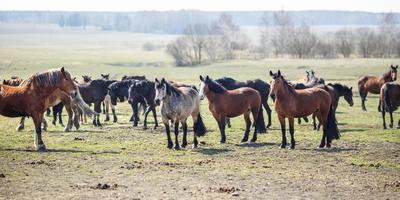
(135, 163)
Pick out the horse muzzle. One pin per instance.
(73, 94)
(157, 102)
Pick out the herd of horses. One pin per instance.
(227, 98)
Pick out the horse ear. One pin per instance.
(391, 66)
(279, 72)
(270, 73)
(163, 80)
(201, 78)
(351, 88)
(397, 66)
(207, 77)
(63, 71)
(156, 80)
(4, 82)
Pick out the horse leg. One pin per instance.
(176, 131)
(70, 114)
(314, 122)
(283, 129)
(228, 122)
(37, 120)
(115, 119)
(48, 112)
(398, 124)
(54, 122)
(107, 106)
(305, 119)
(269, 111)
(383, 118)
(60, 115)
(44, 123)
(248, 125)
(299, 121)
(167, 130)
(76, 117)
(21, 125)
(291, 130)
(221, 125)
(184, 127)
(379, 106)
(145, 117)
(153, 109)
(97, 108)
(391, 119)
(324, 129)
(135, 114)
(363, 96)
(104, 108)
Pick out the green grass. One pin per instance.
(358, 166)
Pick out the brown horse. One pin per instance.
(56, 97)
(30, 98)
(225, 103)
(390, 98)
(291, 103)
(373, 84)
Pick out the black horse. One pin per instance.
(143, 89)
(119, 91)
(336, 90)
(126, 77)
(261, 86)
(390, 98)
(95, 92)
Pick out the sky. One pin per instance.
(209, 5)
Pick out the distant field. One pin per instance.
(363, 164)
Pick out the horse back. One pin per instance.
(16, 102)
(371, 84)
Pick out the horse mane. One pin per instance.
(121, 84)
(290, 86)
(216, 87)
(45, 79)
(172, 89)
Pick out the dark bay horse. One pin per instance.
(390, 98)
(30, 99)
(373, 84)
(336, 90)
(225, 103)
(95, 92)
(261, 86)
(143, 90)
(177, 104)
(126, 77)
(291, 103)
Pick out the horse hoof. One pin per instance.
(177, 147)
(283, 146)
(253, 140)
(184, 145)
(244, 140)
(106, 120)
(194, 146)
(115, 121)
(321, 146)
(291, 147)
(222, 142)
(169, 146)
(41, 148)
(384, 127)
(66, 129)
(20, 128)
(391, 126)
(54, 123)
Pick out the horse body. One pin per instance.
(291, 103)
(262, 87)
(119, 91)
(143, 90)
(29, 98)
(232, 103)
(390, 98)
(177, 104)
(373, 84)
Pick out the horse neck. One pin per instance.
(283, 93)
(43, 91)
(387, 77)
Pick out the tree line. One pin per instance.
(280, 37)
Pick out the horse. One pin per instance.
(291, 103)
(261, 86)
(390, 98)
(31, 98)
(119, 91)
(95, 92)
(177, 104)
(53, 99)
(225, 103)
(85, 79)
(336, 90)
(373, 84)
(126, 77)
(139, 90)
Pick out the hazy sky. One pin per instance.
(214, 5)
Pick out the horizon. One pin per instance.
(375, 6)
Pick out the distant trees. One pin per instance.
(222, 40)
(344, 42)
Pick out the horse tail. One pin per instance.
(199, 127)
(81, 104)
(387, 104)
(260, 124)
(332, 130)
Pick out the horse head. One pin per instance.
(393, 72)
(162, 90)
(348, 95)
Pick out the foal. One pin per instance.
(177, 104)
(225, 103)
(373, 84)
(291, 103)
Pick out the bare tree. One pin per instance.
(367, 42)
(344, 42)
(226, 31)
(197, 34)
(281, 34)
(264, 47)
(302, 42)
(387, 40)
(181, 51)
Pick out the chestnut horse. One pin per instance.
(390, 98)
(291, 103)
(225, 103)
(373, 84)
(31, 98)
